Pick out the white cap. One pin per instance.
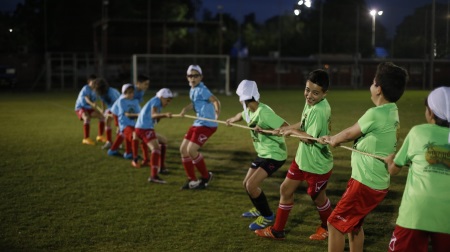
(439, 102)
(164, 93)
(247, 89)
(125, 87)
(194, 67)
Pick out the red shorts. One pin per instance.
(316, 182)
(83, 110)
(128, 133)
(356, 203)
(146, 135)
(199, 134)
(405, 239)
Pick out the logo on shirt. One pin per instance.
(202, 138)
(437, 154)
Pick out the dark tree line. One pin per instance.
(171, 26)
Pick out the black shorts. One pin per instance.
(269, 165)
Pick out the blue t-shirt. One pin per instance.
(138, 94)
(110, 97)
(200, 95)
(145, 120)
(123, 105)
(81, 102)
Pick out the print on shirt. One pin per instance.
(437, 154)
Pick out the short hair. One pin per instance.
(101, 86)
(320, 77)
(142, 78)
(392, 79)
(91, 77)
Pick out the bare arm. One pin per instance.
(187, 108)
(236, 118)
(156, 115)
(131, 115)
(216, 104)
(349, 134)
(393, 169)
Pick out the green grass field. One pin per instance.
(58, 194)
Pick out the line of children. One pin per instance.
(271, 150)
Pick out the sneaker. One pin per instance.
(101, 139)
(88, 141)
(197, 185)
(208, 180)
(157, 180)
(113, 153)
(268, 232)
(145, 162)
(136, 164)
(261, 222)
(107, 145)
(321, 234)
(186, 185)
(252, 213)
(164, 171)
(128, 155)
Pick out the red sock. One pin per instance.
(128, 148)
(162, 160)
(101, 128)
(154, 162)
(86, 129)
(325, 212)
(199, 162)
(144, 148)
(189, 168)
(117, 142)
(109, 134)
(135, 148)
(282, 216)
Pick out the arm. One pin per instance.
(349, 134)
(131, 115)
(216, 104)
(187, 108)
(93, 104)
(393, 169)
(236, 118)
(156, 115)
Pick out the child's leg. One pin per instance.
(356, 240)
(154, 158)
(336, 239)
(286, 203)
(186, 160)
(162, 160)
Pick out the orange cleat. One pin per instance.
(88, 141)
(320, 235)
(268, 232)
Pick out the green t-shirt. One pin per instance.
(426, 202)
(315, 158)
(379, 137)
(267, 145)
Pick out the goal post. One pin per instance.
(169, 70)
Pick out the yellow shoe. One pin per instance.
(88, 141)
(101, 139)
(321, 234)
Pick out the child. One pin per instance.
(313, 161)
(423, 213)
(206, 105)
(85, 111)
(140, 87)
(375, 132)
(148, 117)
(271, 150)
(127, 110)
(108, 95)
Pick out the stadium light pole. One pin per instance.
(374, 13)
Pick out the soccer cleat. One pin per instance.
(88, 141)
(208, 180)
(107, 145)
(268, 232)
(136, 164)
(261, 222)
(128, 155)
(186, 185)
(145, 162)
(101, 139)
(113, 153)
(321, 234)
(164, 171)
(252, 213)
(157, 180)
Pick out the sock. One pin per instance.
(117, 142)
(86, 129)
(109, 134)
(262, 205)
(144, 148)
(325, 212)
(128, 148)
(101, 127)
(135, 149)
(162, 159)
(154, 163)
(282, 216)
(189, 168)
(199, 162)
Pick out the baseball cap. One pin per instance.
(194, 67)
(126, 86)
(247, 89)
(164, 93)
(439, 102)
